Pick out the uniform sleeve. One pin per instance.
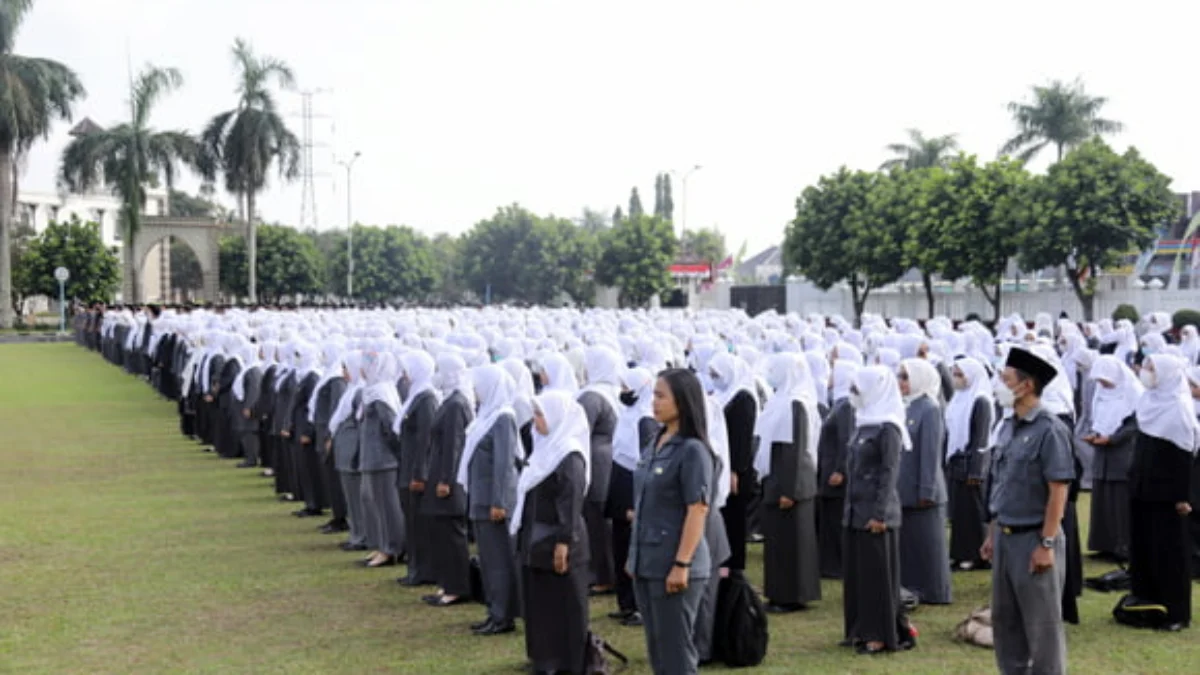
(845, 433)
(739, 425)
(1124, 434)
(568, 503)
(505, 442)
(890, 444)
(421, 418)
(789, 481)
(695, 473)
(252, 386)
(300, 408)
(591, 409)
(977, 442)
(929, 445)
(1056, 455)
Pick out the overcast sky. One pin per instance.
(460, 106)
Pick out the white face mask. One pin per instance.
(1149, 379)
(856, 400)
(1004, 396)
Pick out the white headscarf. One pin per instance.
(285, 357)
(418, 367)
(730, 375)
(881, 402)
(379, 372)
(962, 404)
(789, 375)
(627, 442)
(247, 355)
(496, 390)
(352, 362)
(331, 361)
(718, 439)
(843, 377)
(560, 374)
(1110, 407)
(604, 368)
(1165, 411)
(523, 398)
(569, 432)
(453, 376)
(923, 380)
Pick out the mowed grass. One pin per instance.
(125, 549)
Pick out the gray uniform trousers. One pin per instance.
(497, 563)
(670, 622)
(362, 530)
(706, 616)
(1027, 608)
(381, 506)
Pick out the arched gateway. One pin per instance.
(202, 235)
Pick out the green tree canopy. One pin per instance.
(290, 264)
(635, 204)
(390, 263)
(186, 273)
(1090, 210)
(79, 247)
(706, 245)
(636, 257)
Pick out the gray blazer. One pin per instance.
(666, 482)
(1113, 461)
(327, 400)
(448, 436)
(282, 404)
(414, 439)
(793, 473)
(345, 441)
(921, 475)
(376, 440)
(492, 473)
(836, 432)
(873, 471)
(602, 420)
(252, 387)
(972, 462)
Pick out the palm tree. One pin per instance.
(243, 142)
(127, 157)
(1062, 115)
(34, 93)
(921, 152)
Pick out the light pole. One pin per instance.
(683, 182)
(349, 228)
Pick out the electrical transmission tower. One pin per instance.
(308, 200)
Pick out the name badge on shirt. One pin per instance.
(658, 470)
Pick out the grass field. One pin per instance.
(124, 549)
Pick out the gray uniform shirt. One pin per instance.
(921, 476)
(666, 482)
(493, 470)
(1031, 452)
(375, 439)
(345, 440)
(872, 474)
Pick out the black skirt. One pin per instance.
(556, 618)
(871, 579)
(1158, 560)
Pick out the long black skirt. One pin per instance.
(829, 535)
(1109, 532)
(1073, 586)
(599, 530)
(924, 562)
(968, 522)
(556, 618)
(1159, 558)
(791, 563)
(871, 599)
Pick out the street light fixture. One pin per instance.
(349, 165)
(683, 181)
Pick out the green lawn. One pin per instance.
(124, 549)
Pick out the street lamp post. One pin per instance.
(683, 181)
(349, 165)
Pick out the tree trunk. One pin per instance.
(994, 299)
(927, 279)
(6, 216)
(135, 286)
(251, 248)
(1086, 299)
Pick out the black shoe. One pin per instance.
(347, 546)
(621, 614)
(497, 628)
(633, 620)
(783, 609)
(480, 625)
(247, 465)
(307, 513)
(334, 528)
(409, 582)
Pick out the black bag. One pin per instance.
(1116, 580)
(1138, 613)
(740, 633)
(477, 592)
(596, 656)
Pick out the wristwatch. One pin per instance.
(684, 565)
(1047, 542)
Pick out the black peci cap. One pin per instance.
(1032, 365)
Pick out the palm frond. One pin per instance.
(151, 85)
(12, 15)
(1029, 153)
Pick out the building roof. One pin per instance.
(86, 126)
(770, 256)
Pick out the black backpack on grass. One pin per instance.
(740, 633)
(1138, 613)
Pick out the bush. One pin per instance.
(1126, 312)
(1185, 317)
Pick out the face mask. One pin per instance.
(1149, 379)
(856, 400)
(628, 398)
(1004, 396)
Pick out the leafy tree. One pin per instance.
(490, 253)
(128, 156)
(668, 203)
(23, 236)
(833, 237)
(186, 273)
(195, 206)
(447, 264)
(389, 263)
(617, 216)
(331, 245)
(636, 257)
(921, 152)
(290, 265)
(977, 208)
(558, 257)
(1062, 114)
(1090, 210)
(901, 203)
(243, 143)
(635, 204)
(594, 221)
(706, 245)
(36, 93)
(79, 247)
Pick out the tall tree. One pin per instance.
(668, 203)
(131, 155)
(78, 246)
(1062, 114)
(658, 195)
(921, 152)
(34, 93)
(594, 221)
(290, 265)
(617, 216)
(1091, 210)
(187, 275)
(635, 205)
(243, 143)
(390, 263)
(23, 236)
(703, 245)
(636, 257)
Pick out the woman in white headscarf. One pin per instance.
(603, 367)
(736, 393)
(321, 405)
(1189, 344)
(247, 387)
(413, 427)
(554, 371)
(522, 400)
(836, 431)
(968, 426)
(635, 431)
(923, 555)
(377, 456)
(282, 463)
(343, 436)
(874, 620)
(1167, 440)
(1113, 435)
(552, 543)
(787, 434)
(302, 433)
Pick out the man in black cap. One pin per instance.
(1032, 468)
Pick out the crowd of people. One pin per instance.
(638, 453)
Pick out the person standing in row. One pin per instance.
(302, 433)
(1113, 435)
(636, 428)
(923, 554)
(344, 445)
(247, 387)
(377, 450)
(873, 615)
(551, 536)
(668, 556)
(1032, 469)
(786, 462)
(321, 405)
(734, 388)
(968, 430)
(836, 431)
(599, 401)
(414, 426)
